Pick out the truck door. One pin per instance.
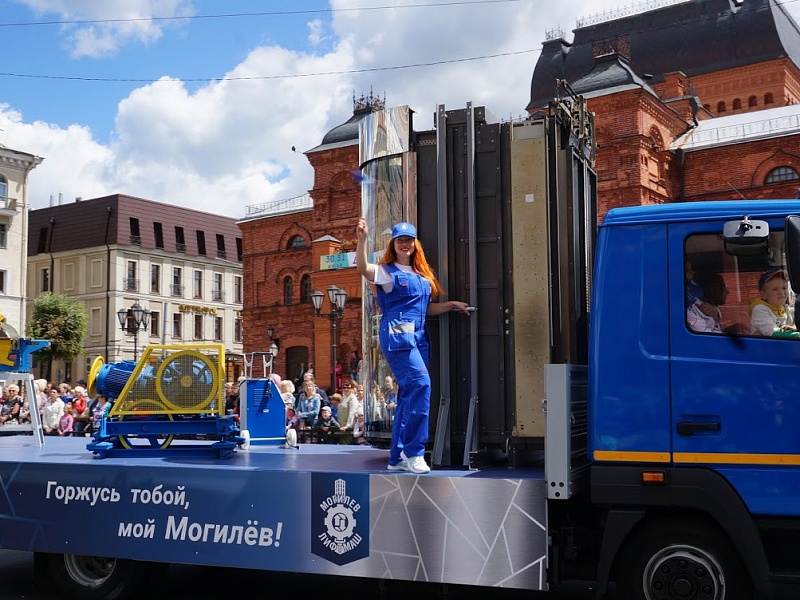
(735, 396)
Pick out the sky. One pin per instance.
(199, 103)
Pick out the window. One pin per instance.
(237, 289)
(155, 323)
(44, 280)
(296, 241)
(781, 174)
(158, 232)
(768, 98)
(217, 294)
(155, 279)
(237, 329)
(197, 285)
(136, 237)
(287, 290)
(305, 289)
(201, 243)
(3, 187)
(177, 319)
(41, 248)
(177, 283)
(737, 104)
(722, 285)
(239, 249)
(3, 235)
(131, 283)
(221, 246)
(198, 327)
(720, 107)
(3, 282)
(752, 101)
(217, 329)
(95, 321)
(180, 240)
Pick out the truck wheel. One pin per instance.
(680, 560)
(97, 577)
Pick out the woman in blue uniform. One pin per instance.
(405, 283)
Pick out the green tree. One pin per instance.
(64, 322)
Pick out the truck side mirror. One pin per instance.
(791, 240)
(746, 237)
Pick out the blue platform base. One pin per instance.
(156, 435)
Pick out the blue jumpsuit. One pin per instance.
(406, 346)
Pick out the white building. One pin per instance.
(14, 169)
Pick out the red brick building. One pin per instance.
(692, 101)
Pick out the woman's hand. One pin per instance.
(362, 231)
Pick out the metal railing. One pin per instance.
(218, 295)
(176, 290)
(130, 284)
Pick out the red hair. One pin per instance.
(418, 262)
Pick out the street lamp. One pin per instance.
(337, 298)
(133, 320)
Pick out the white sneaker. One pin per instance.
(400, 466)
(416, 464)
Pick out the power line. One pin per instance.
(265, 77)
(252, 14)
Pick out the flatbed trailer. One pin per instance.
(317, 509)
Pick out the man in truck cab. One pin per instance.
(768, 314)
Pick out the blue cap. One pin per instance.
(402, 229)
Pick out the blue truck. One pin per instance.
(581, 428)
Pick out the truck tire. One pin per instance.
(681, 559)
(97, 577)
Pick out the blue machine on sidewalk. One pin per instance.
(171, 398)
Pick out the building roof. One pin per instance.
(346, 134)
(692, 37)
(611, 73)
(740, 129)
(111, 220)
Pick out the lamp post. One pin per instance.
(273, 351)
(337, 298)
(132, 320)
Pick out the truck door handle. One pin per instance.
(690, 428)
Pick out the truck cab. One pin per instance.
(693, 433)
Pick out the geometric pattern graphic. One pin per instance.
(460, 530)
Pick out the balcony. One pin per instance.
(180, 248)
(222, 254)
(130, 284)
(8, 206)
(176, 290)
(218, 295)
(136, 240)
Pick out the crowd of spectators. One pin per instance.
(64, 409)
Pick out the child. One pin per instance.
(768, 315)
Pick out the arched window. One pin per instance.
(297, 241)
(737, 104)
(707, 107)
(768, 98)
(305, 289)
(720, 107)
(287, 290)
(3, 187)
(752, 101)
(781, 174)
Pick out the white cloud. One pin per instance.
(105, 39)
